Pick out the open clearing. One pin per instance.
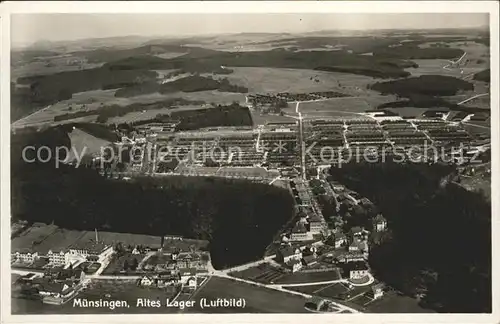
(393, 303)
(259, 119)
(50, 65)
(42, 238)
(274, 80)
(346, 104)
(257, 299)
(435, 66)
(84, 144)
(303, 277)
(93, 100)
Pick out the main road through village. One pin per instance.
(226, 274)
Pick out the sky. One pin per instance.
(30, 28)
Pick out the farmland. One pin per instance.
(274, 80)
(347, 104)
(266, 273)
(257, 299)
(84, 143)
(301, 277)
(42, 238)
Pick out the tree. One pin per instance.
(134, 264)
(126, 265)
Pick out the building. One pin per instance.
(315, 224)
(25, 256)
(147, 281)
(294, 265)
(53, 289)
(195, 260)
(356, 270)
(337, 186)
(92, 251)
(379, 223)
(356, 231)
(287, 253)
(169, 279)
(60, 275)
(187, 276)
(353, 257)
(339, 239)
(309, 260)
(355, 245)
(377, 291)
(300, 233)
(57, 258)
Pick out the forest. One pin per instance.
(106, 112)
(439, 243)
(239, 218)
(231, 115)
(427, 85)
(483, 76)
(191, 83)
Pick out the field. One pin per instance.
(146, 115)
(435, 66)
(274, 80)
(84, 143)
(331, 291)
(257, 299)
(409, 111)
(335, 115)
(346, 105)
(93, 100)
(259, 119)
(263, 273)
(302, 277)
(393, 303)
(48, 65)
(478, 128)
(311, 289)
(41, 238)
(49, 237)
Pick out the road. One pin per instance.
(280, 288)
(475, 125)
(472, 98)
(302, 142)
(20, 121)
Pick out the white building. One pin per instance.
(25, 256)
(57, 258)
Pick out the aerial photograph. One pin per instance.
(250, 163)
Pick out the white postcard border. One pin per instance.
(8, 8)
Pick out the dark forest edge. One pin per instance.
(432, 225)
(190, 119)
(239, 218)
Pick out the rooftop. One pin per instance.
(187, 271)
(299, 228)
(356, 265)
(287, 251)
